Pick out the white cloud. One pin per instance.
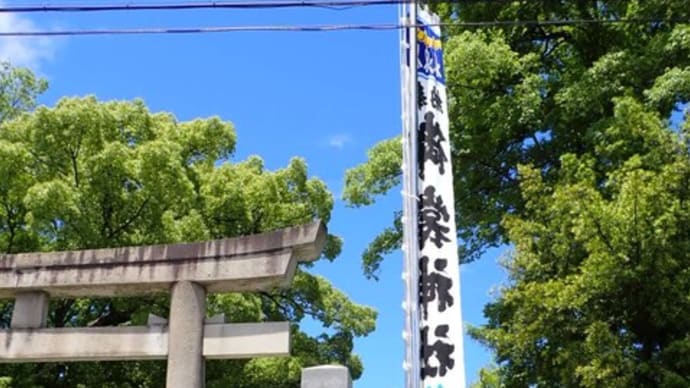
(23, 51)
(339, 140)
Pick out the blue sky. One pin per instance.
(327, 97)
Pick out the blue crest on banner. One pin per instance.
(429, 53)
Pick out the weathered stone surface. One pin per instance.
(185, 342)
(155, 320)
(224, 341)
(246, 340)
(248, 263)
(326, 376)
(188, 271)
(218, 318)
(83, 344)
(30, 310)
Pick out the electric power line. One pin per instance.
(188, 5)
(329, 27)
(261, 4)
(196, 30)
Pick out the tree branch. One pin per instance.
(127, 223)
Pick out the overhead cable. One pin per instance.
(189, 5)
(199, 30)
(194, 5)
(324, 27)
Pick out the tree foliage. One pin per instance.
(19, 88)
(530, 94)
(489, 377)
(562, 146)
(91, 174)
(599, 279)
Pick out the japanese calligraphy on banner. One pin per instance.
(440, 325)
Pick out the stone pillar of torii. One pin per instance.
(188, 271)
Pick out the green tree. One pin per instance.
(489, 377)
(530, 94)
(90, 174)
(599, 278)
(19, 88)
(562, 146)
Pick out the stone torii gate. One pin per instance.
(188, 271)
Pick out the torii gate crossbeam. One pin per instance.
(188, 271)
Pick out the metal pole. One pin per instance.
(410, 246)
(404, 140)
(414, 258)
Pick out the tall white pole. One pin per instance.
(413, 258)
(409, 172)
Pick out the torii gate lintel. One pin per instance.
(188, 271)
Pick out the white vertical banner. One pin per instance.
(440, 317)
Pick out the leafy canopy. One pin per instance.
(563, 147)
(599, 279)
(528, 95)
(90, 174)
